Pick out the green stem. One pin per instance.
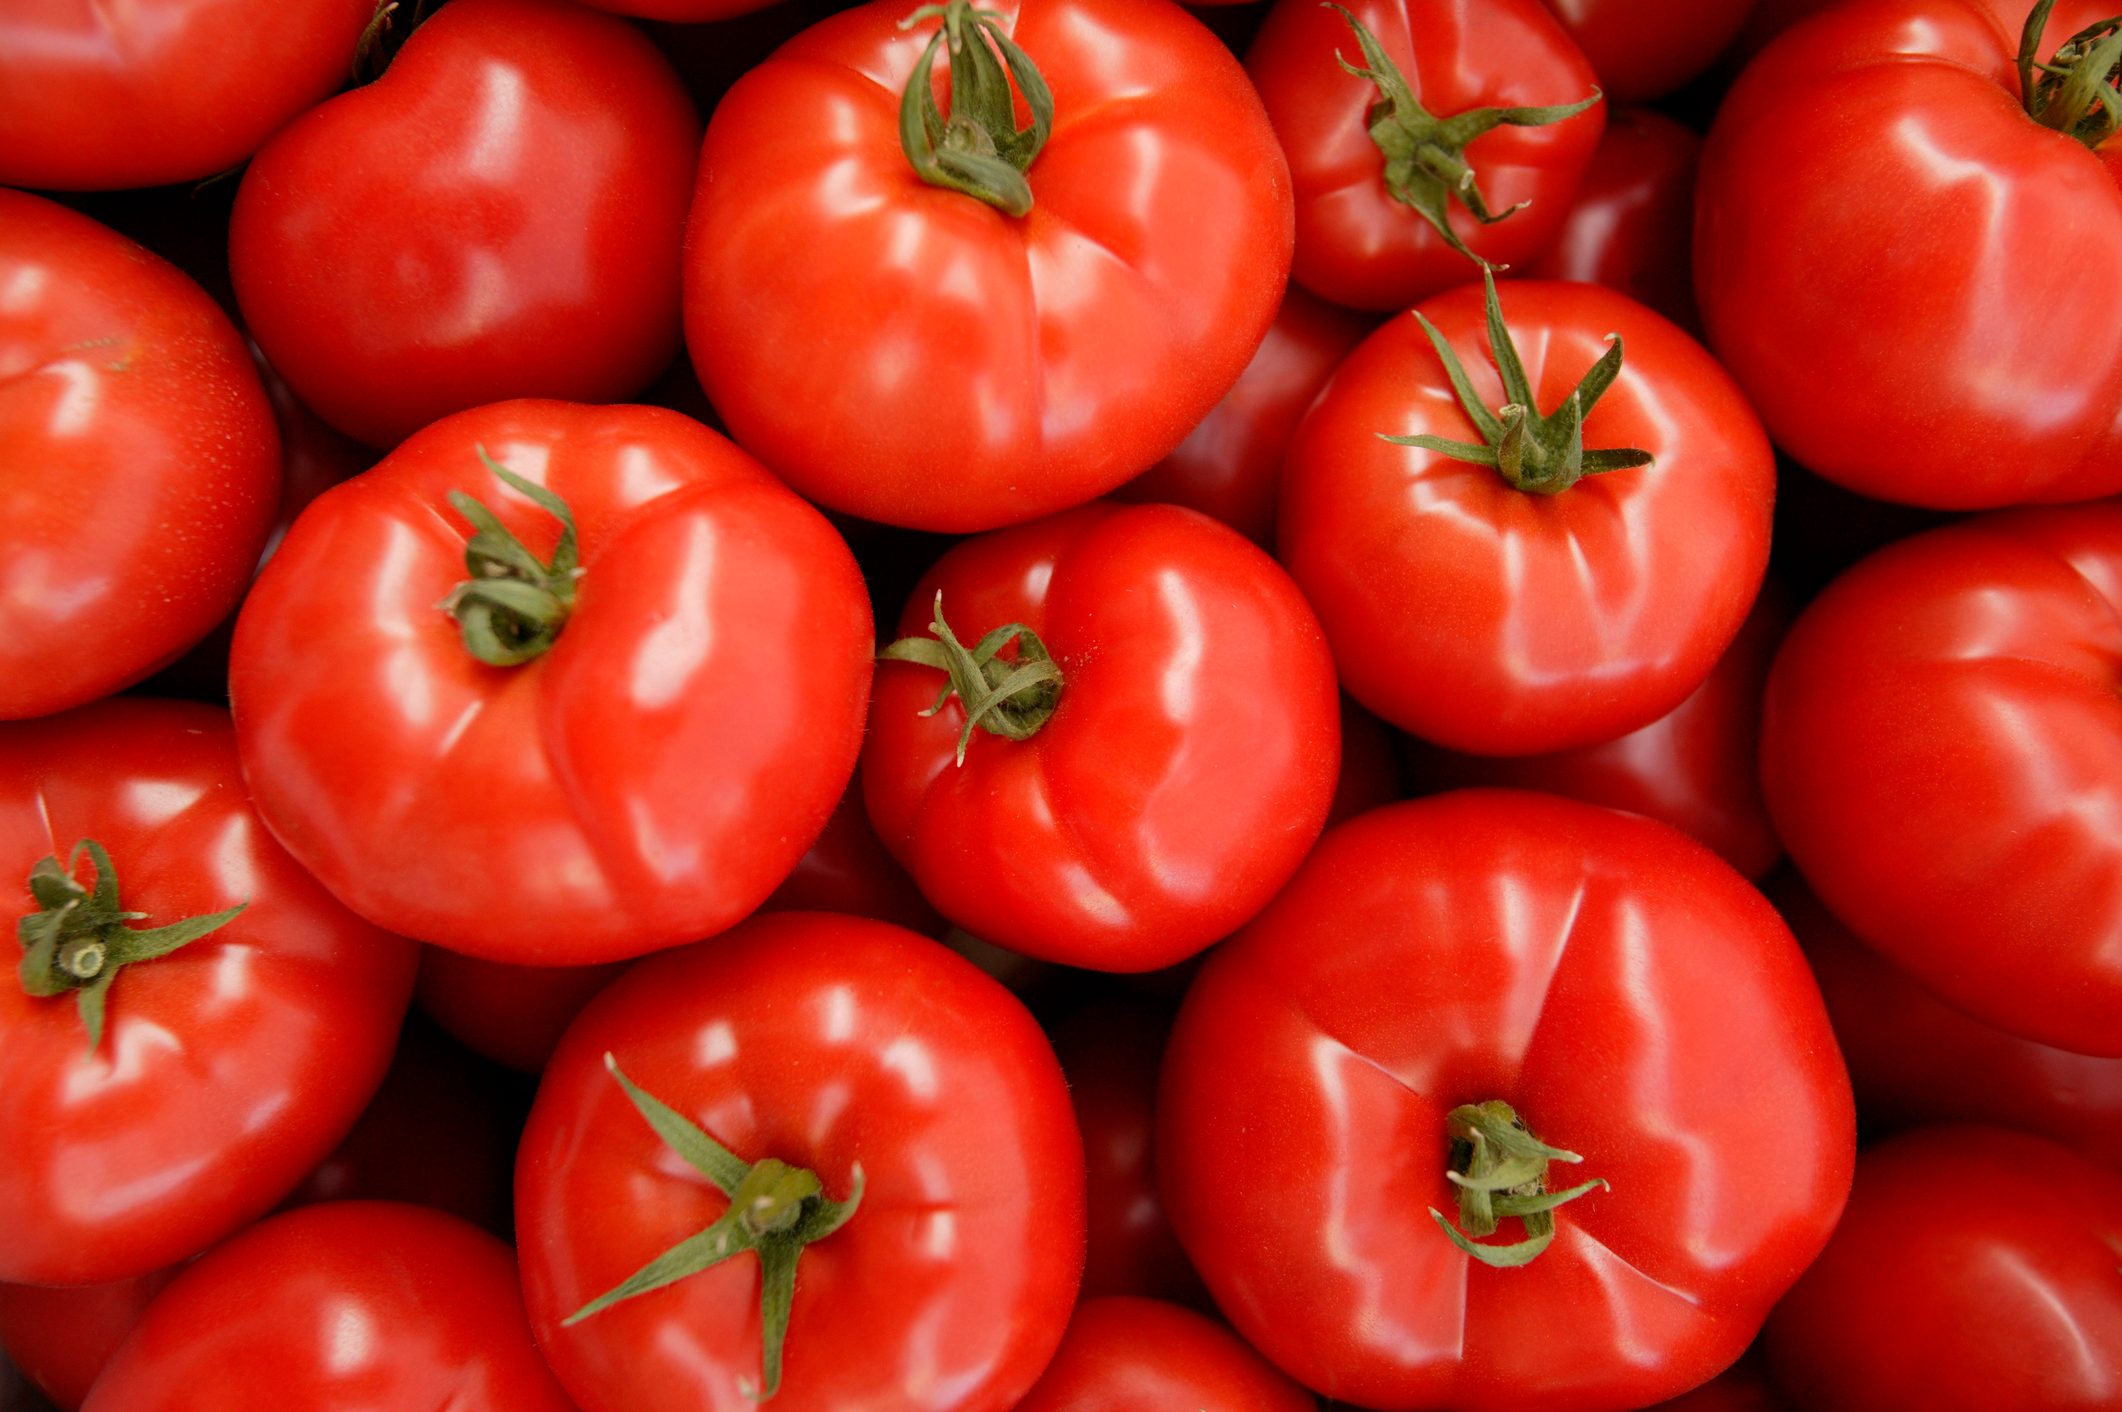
(514, 604)
(1500, 1170)
(978, 149)
(2076, 92)
(1011, 699)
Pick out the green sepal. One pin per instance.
(1011, 699)
(1500, 1170)
(2075, 93)
(514, 604)
(978, 149)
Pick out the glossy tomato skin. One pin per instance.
(1975, 1268)
(825, 1041)
(1644, 49)
(142, 462)
(648, 780)
(1814, 291)
(95, 97)
(1622, 989)
(1358, 246)
(498, 216)
(1941, 751)
(1183, 775)
(1126, 1355)
(1498, 622)
(1062, 353)
(1631, 225)
(228, 1068)
(61, 1337)
(360, 1306)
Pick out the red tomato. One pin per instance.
(1370, 767)
(1743, 1387)
(1615, 984)
(513, 1015)
(1631, 226)
(1644, 49)
(1871, 188)
(1695, 767)
(226, 1069)
(848, 870)
(912, 354)
(94, 96)
(1941, 751)
(143, 465)
(1952, 1284)
(1230, 466)
(355, 1306)
(1187, 765)
(1357, 243)
(61, 1338)
(1509, 622)
(498, 216)
(1132, 1355)
(683, 11)
(647, 780)
(851, 1050)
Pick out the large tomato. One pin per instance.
(1441, 982)
(498, 216)
(1912, 277)
(1507, 621)
(923, 355)
(1941, 750)
(830, 1080)
(152, 1103)
(1135, 1355)
(141, 466)
(1631, 225)
(1644, 49)
(684, 710)
(1150, 791)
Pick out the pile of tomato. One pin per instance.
(1083, 706)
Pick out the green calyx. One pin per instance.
(513, 606)
(79, 940)
(1543, 455)
(1010, 699)
(2075, 93)
(1500, 1170)
(978, 149)
(1425, 156)
(775, 1210)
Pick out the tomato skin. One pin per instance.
(228, 1068)
(675, 786)
(1814, 291)
(1184, 774)
(824, 1041)
(1498, 622)
(681, 11)
(1356, 245)
(360, 1306)
(1941, 750)
(1631, 225)
(1622, 989)
(498, 216)
(1125, 1355)
(62, 1337)
(143, 466)
(513, 1015)
(1066, 351)
(1975, 1268)
(1644, 49)
(849, 870)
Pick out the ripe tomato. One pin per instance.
(1130, 1355)
(1503, 621)
(61, 1337)
(864, 1058)
(1644, 49)
(1941, 750)
(498, 216)
(1613, 983)
(349, 1305)
(1952, 1285)
(848, 870)
(223, 1070)
(1370, 768)
(143, 464)
(647, 780)
(1151, 797)
(1631, 226)
(513, 1015)
(1871, 188)
(984, 367)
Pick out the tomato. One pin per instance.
(172, 1098)
(94, 96)
(1507, 622)
(1743, 1387)
(1124, 1355)
(498, 216)
(1370, 767)
(513, 1015)
(1644, 49)
(848, 870)
(1622, 993)
(61, 1337)
(916, 1096)
(1632, 223)
(1371, 234)
(1154, 790)
(1941, 751)
(910, 353)
(142, 464)
(661, 753)
(683, 11)
(1871, 189)
(354, 1305)
(1975, 1269)
(1695, 767)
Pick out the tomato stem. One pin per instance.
(1500, 1170)
(978, 149)
(513, 606)
(2075, 93)
(1010, 699)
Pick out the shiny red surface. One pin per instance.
(1631, 226)
(513, 1015)
(1644, 49)
(61, 1338)
(1134, 1355)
